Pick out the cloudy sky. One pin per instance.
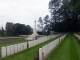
(22, 11)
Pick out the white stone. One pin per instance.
(8, 51)
(25, 45)
(12, 49)
(19, 47)
(40, 54)
(34, 43)
(43, 50)
(15, 48)
(29, 44)
(22, 46)
(3, 52)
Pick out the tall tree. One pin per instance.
(47, 24)
(54, 6)
(2, 31)
(65, 15)
(40, 24)
(9, 28)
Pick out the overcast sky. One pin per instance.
(22, 11)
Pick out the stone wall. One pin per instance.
(10, 39)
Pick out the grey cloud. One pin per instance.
(22, 11)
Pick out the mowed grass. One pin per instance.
(28, 54)
(11, 43)
(69, 49)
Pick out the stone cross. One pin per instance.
(35, 26)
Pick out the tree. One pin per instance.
(17, 29)
(65, 15)
(2, 32)
(40, 25)
(70, 16)
(47, 24)
(21, 29)
(9, 28)
(29, 30)
(54, 6)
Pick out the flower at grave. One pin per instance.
(42, 53)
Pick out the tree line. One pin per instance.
(16, 29)
(65, 16)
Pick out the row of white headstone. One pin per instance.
(12, 49)
(40, 40)
(45, 50)
(78, 36)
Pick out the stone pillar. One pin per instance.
(34, 35)
(35, 27)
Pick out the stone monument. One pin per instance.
(34, 35)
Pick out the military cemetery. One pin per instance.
(39, 30)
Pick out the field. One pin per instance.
(28, 54)
(69, 49)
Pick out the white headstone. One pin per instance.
(43, 49)
(22, 46)
(3, 52)
(12, 49)
(40, 54)
(25, 45)
(34, 42)
(8, 51)
(19, 47)
(15, 48)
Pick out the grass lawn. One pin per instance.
(11, 43)
(28, 54)
(69, 49)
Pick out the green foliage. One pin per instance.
(40, 24)
(65, 15)
(2, 32)
(9, 28)
(47, 25)
(44, 25)
(17, 29)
